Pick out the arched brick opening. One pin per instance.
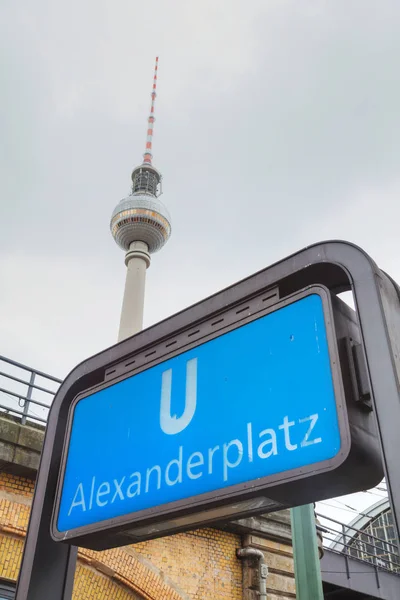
(113, 574)
(126, 568)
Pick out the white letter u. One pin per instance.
(171, 424)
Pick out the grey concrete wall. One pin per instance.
(20, 446)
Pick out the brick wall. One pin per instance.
(202, 562)
(197, 565)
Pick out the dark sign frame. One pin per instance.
(48, 567)
(227, 321)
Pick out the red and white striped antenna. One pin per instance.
(147, 156)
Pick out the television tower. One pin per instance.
(141, 225)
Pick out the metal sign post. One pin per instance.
(305, 552)
(175, 378)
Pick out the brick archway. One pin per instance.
(125, 566)
(124, 570)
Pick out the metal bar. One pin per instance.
(20, 397)
(363, 554)
(305, 550)
(348, 547)
(346, 557)
(28, 398)
(25, 382)
(21, 366)
(389, 566)
(378, 583)
(365, 560)
(356, 530)
(20, 412)
(352, 545)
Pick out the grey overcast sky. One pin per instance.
(277, 125)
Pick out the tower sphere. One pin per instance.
(141, 218)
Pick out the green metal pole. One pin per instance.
(306, 557)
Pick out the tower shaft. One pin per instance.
(137, 259)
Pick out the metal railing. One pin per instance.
(25, 392)
(359, 544)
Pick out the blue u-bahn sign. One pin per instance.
(256, 404)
